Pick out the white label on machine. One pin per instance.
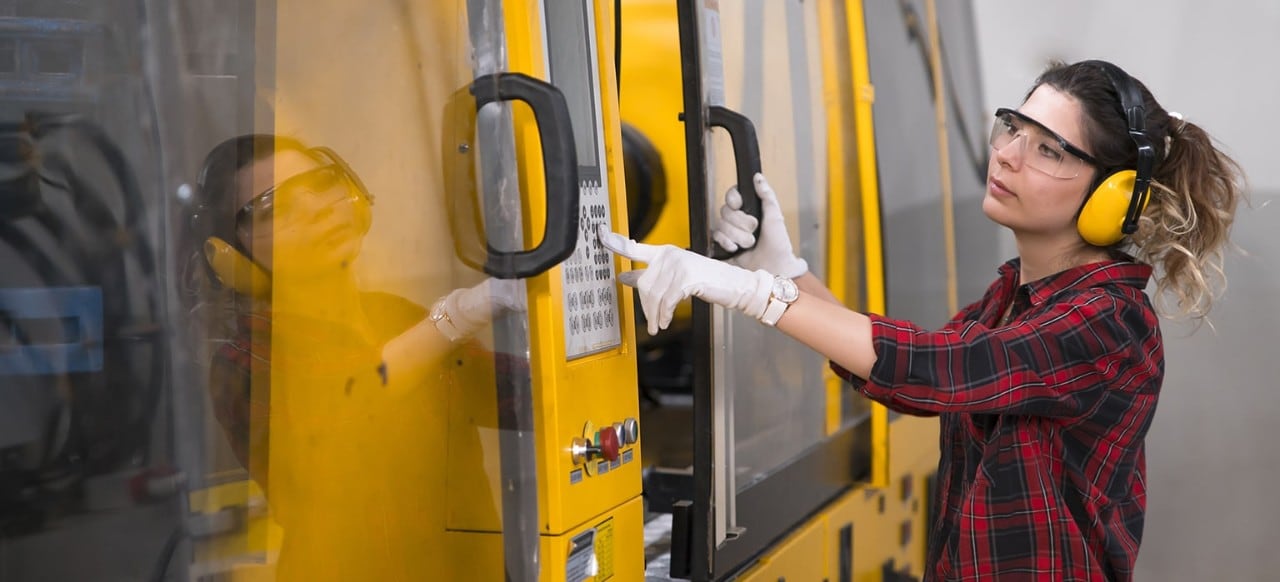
(591, 554)
(590, 288)
(582, 563)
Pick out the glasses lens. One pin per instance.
(317, 181)
(257, 211)
(261, 209)
(1040, 149)
(1003, 130)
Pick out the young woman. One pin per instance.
(329, 394)
(275, 229)
(1045, 387)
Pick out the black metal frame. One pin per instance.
(1062, 141)
(771, 508)
(693, 524)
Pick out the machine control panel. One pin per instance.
(598, 451)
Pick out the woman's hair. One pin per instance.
(1195, 187)
(214, 199)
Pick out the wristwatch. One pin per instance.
(783, 294)
(440, 317)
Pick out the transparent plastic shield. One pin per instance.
(910, 176)
(772, 385)
(240, 335)
(86, 454)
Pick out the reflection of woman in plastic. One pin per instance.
(324, 390)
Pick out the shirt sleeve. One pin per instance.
(1058, 363)
(968, 312)
(895, 405)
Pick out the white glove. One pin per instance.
(463, 311)
(675, 274)
(737, 229)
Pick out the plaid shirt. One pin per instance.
(1042, 422)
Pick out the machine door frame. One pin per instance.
(721, 531)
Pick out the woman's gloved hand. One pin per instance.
(773, 251)
(674, 274)
(462, 312)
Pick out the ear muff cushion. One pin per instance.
(1102, 217)
(235, 270)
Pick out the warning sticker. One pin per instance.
(591, 554)
(604, 549)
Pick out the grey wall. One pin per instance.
(1212, 463)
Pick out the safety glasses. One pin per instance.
(317, 181)
(1042, 149)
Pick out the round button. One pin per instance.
(630, 431)
(609, 444)
(580, 450)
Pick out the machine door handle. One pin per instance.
(746, 155)
(560, 167)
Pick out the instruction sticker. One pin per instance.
(591, 554)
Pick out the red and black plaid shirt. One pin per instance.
(1042, 422)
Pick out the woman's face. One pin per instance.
(298, 213)
(1028, 199)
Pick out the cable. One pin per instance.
(911, 20)
(944, 159)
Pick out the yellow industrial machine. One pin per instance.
(310, 290)
(844, 497)
(513, 452)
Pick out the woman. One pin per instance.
(330, 395)
(1045, 387)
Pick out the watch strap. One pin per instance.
(773, 312)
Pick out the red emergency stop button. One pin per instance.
(609, 444)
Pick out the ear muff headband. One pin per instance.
(1112, 209)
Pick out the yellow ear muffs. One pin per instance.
(1102, 217)
(236, 271)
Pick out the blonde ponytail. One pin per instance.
(1185, 229)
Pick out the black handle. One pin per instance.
(746, 156)
(559, 164)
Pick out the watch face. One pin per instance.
(437, 312)
(785, 290)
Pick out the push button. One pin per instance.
(609, 444)
(630, 431)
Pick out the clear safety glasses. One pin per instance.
(1041, 148)
(318, 181)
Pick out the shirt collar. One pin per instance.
(1122, 270)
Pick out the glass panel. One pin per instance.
(221, 242)
(90, 484)
(845, 164)
(910, 179)
(774, 385)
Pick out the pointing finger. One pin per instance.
(630, 278)
(626, 247)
